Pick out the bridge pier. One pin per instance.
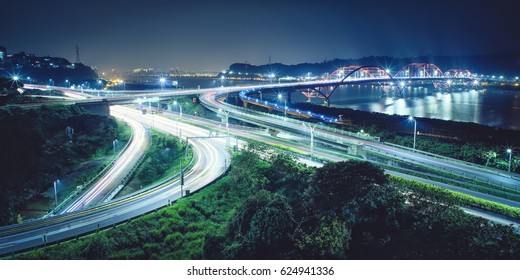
(101, 108)
(326, 102)
(273, 132)
(357, 150)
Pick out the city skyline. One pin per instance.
(204, 35)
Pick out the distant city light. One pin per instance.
(475, 82)
(162, 80)
(15, 78)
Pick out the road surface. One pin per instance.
(212, 157)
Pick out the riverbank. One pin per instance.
(470, 142)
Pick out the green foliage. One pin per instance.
(349, 210)
(35, 149)
(162, 156)
(328, 240)
(265, 221)
(451, 198)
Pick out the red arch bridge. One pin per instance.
(388, 82)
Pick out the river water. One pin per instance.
(489, 106)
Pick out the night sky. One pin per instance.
(210, 35)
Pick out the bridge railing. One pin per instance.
(301, 124)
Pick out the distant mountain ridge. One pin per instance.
(503, 63)
(44, 69)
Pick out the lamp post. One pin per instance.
(56, 193)
(162, 81)
(510, 152)
(312, 127)
(175, 103)
(227, 123)
(410, 118)
(280, 97)
(114, 142)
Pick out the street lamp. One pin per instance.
(510, 152)
(410, 118)
(114, 142)
(56, 193)
(312, 127)
(180, 107)
(280, 97)
(162, 81)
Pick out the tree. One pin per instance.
(262, 229)
(328, 240)
(344, 188)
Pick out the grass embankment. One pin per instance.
(279, 209)
(458, 198)
(164, 158)
(38, 149)
(470, 183)
(174, 232)
(469, 142)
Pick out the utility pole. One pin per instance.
(312, 127)
(77, 54)
(55, 194)
(182, 176)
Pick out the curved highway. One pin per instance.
(336, 137)
(211, 159)
(119, 170)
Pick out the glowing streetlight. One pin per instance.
(16, 78)
(280, 97)
(162, 81)
(510, 152)
(180, 107)
(410, 118)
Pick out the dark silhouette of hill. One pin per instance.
(503, 63)
(45, 69)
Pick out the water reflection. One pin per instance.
(489, 106)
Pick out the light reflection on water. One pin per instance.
(491, 107)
